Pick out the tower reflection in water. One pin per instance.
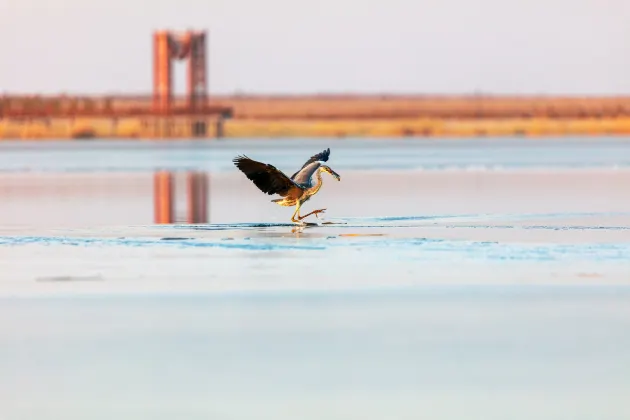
(165, 197)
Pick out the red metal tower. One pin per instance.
(168, 46)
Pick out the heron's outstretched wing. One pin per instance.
(322, 156)
(266, 177)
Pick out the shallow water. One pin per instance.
(347, 153)
(492, 280)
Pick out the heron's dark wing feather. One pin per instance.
(322, 156)
(266, 177)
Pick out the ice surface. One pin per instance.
(458, 292)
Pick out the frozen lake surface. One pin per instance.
(458, 279)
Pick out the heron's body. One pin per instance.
(295, 190)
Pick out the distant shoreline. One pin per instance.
(86, 128)
(326, 116)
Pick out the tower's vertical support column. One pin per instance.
(162, 83)
(197, 77)
(197, 85)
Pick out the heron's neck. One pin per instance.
(318, 184)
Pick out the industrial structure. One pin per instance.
(159, 115)
(168, 46)
(191, 46)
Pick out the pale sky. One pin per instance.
(336, 46)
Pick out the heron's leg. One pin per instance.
(297, 211)
(315, 212)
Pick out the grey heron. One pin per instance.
(295, 190)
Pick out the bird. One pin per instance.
(295, 190)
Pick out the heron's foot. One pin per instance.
(315, 212)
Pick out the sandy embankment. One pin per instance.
(335, 116)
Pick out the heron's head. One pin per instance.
(325, 168)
